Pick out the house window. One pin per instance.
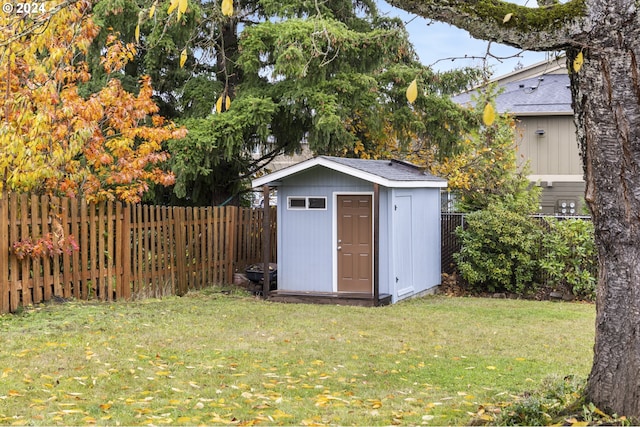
(307, 203)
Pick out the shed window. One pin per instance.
(307, 203)
(297, 203)
(317, 203)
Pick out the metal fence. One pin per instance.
(451, 244)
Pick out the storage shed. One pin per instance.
(354, 231)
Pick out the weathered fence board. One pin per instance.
(123, 251)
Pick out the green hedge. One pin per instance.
(506, 251)
(569, 257)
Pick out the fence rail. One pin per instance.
(123, 251)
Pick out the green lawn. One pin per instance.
(210, 358)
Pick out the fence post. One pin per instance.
(181, 247)
(232, 212)
(4, 254)
(124, 233)
(266, 242)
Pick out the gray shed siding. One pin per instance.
(415, 232)
(408, 239)
(306, 243)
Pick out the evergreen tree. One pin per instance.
(276, 74)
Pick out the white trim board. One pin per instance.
(272, 178)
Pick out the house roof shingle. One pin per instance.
(546, 94)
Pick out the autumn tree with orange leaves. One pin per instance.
(53, 140)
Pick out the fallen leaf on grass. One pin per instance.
(375, 404)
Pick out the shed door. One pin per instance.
(355, 243)
(403, 244)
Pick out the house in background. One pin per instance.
(354, 231)
(539, 97)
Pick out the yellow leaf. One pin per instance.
(137, 33)
(219, 105)
(507, 18)
(577, 62)
(412, 91)
(172, 6)
(182, 6)
(375, 403)
(152, 10)
(183, 57)
(227, 103)
(227, 7)
(488, 115)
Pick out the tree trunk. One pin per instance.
(606, 101)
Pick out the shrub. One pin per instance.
(499, 250)
(542, 406)
(569, 256)
(559, 401)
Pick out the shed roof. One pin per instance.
(388, 173)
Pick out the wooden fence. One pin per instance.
(121, 251)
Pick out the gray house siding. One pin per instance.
(559, 193)
(540, 99)
(556, 151)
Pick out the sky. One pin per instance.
(435, 42)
